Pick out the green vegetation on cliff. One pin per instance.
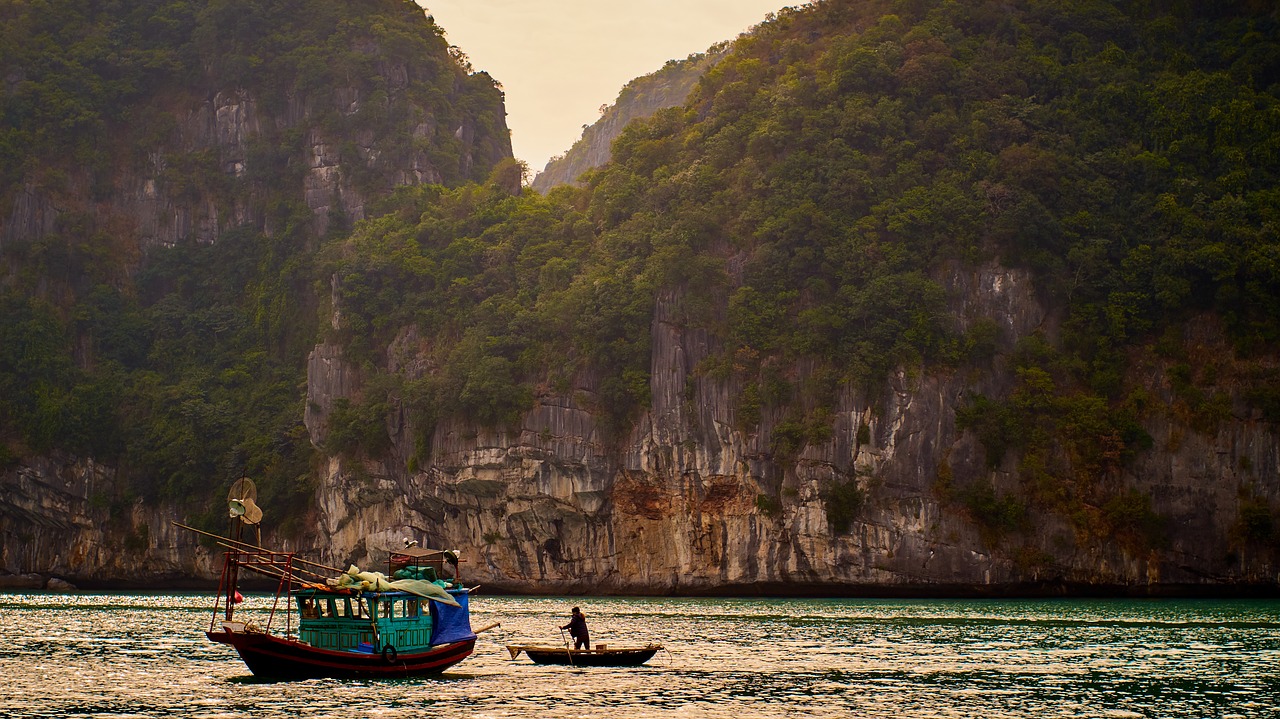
(640, 98)
(183, 366)
(804, 206)
(807, 200)
(100, 82)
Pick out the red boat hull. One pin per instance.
(269, 656)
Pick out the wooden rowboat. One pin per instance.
(601, 656)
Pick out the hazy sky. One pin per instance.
(560, 60)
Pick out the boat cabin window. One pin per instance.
(308, 608)
(410, 608)
(386, 609)
(329, 608)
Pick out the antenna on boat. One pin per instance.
(242, 505)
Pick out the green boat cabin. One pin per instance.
(342, 622)
(370, 621)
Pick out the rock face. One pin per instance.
(689, 503)
(696, 498)
(58, 521)
(221, 160)
(207, 176)
(641, 98)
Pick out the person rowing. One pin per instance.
(577, 627)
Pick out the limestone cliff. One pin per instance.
(1083, 396)
(640, 98)
(60, 522)
(690, 503)
(210, 174)
(139, 135)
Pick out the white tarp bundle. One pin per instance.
(378, 582)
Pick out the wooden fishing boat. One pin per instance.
(602, 656)
(337, 630)
(354, 624)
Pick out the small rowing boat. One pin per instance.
(603, 655)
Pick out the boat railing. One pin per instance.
(277, 565)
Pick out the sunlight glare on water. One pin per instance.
(145, 655)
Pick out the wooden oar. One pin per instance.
(567, 650)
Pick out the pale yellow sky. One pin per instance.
(560, 60)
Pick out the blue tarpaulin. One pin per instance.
(451, 624)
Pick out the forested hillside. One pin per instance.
(167, 172)
(807, 203)
(906, 293)
(817, 179)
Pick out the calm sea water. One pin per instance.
(145, 655)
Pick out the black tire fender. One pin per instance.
(389, 654)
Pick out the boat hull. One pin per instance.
(629, 657)
(272, 657)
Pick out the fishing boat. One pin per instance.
(326, 622)
(603, 655)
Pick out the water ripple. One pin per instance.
(145, 655)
